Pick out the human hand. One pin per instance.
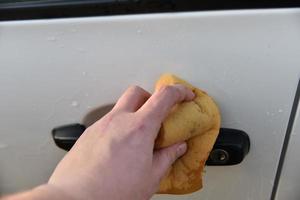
(114, 158)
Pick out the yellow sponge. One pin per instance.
(197, 122)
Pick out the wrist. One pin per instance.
(42, 192)
(48, 191)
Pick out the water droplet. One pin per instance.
(74, 104)
(84, 73)
(88, 107)
(139, 31)
(280, 110)
(52, 38)
(86, 94)
(268, 113)
(73, 30)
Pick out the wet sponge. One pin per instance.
(197, 122)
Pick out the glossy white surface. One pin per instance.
(54, 72)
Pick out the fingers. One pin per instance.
(161, 102)
(165, 157)
(132, 99)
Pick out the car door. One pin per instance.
(70, 67)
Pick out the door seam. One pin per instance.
(286, 141)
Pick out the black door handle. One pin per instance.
(66, 136)
(230, 148)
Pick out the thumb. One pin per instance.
(165, 157)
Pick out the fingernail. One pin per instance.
(191, 95)
(181, 149)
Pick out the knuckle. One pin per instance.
(168, 90)
(169, 156)
(145, 120)
(134, 88)
(139, 128)
(136, 135)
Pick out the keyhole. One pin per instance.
(219, 156)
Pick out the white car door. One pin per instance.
(61, 71)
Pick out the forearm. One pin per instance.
(43, 192)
